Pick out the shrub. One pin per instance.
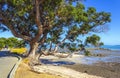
(26, 60)
(18, 50)
(87, 53)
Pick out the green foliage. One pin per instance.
(94, 40)
(56, 20)
(81, 46)
(2, 42)
(87, 53)
(18, 50)
(72, 49)
(101, 43)
(11, 42)
(26, 6)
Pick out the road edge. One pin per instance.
(13, 70)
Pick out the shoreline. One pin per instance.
(95, 70)
(99, 68)
(105, 70)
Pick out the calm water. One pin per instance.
(111, 47)
(110, 56)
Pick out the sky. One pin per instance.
(111, 37)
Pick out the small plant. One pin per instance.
(18, 50)
(87, 53)
(26, 60)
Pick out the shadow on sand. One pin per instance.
(47, 61)
(6, 54)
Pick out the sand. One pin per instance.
(106, 70)
(100, 69)
(79, 70)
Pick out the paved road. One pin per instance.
(7, 62)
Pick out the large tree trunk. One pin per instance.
(33, 48)
(34, 57)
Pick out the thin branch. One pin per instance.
(13, 29)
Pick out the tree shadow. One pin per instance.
(57, 63)
(6, 54)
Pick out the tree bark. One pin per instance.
(33, 55)
(56, 48)
(50, 49)
(33, 48)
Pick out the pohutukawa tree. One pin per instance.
(49, 22)
(94, 40)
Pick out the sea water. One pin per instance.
(111, 47)
(111, 55)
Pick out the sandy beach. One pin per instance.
(77, 66)
(102, 68)
(105, 70)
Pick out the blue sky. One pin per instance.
(111, 37)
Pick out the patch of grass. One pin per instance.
(26, 60)
(24, 71)
(18, 50)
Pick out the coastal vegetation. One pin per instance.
(11, 42)
(18, 50)
(51, 24)
(14, 45)
(94, 40)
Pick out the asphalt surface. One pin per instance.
(7, 61)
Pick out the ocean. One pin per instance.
(111, 47)
(110, 56)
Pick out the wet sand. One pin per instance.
(102, 69)
(105, 70)
(106, 66)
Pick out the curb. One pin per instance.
(13, 70)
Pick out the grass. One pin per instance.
(18, 50)
(24, 71)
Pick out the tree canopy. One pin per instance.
(42, 22)
(94, 40)
(11, 42)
